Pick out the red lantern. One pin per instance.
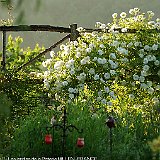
(80, 142)
(48, 139)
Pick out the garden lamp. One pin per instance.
(48, 139)
(80, 142)
(110, 122)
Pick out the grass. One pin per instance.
(130, 136)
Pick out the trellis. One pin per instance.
(72, 30)
(72, 35)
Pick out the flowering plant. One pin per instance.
(110, 65)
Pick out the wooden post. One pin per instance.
(74, 33)
(3, 63)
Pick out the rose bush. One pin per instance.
(110, 66)
(115, 68)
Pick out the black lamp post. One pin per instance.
(111, 124)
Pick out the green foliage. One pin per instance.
(99, 75)
(130, 137)
(21, 86)
(28, 140)
(5, 105)
(24, 89)
(16, 55)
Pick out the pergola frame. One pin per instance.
(72, 31)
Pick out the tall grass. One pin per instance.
(130, 136)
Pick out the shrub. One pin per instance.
(109, 64)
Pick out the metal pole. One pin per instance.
(64, 133)
(64, 128)
(3, 63)
(110, 142)
(53, 143)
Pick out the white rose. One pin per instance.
(103, 101)
(96, 77)
(112, 55)
(114, 15)
(131, 96)
(131, 11)
(99, 98)
(158, 73)
(145, 61)
(78, 54)
(143, 86)
(109, 103)
(100, 93)
(157, 87)
(141, 55)
(130, 45)
(144, 73)
(52, 54)
(136, 44)
(146, 47)
(106, 89)
(112, 72)
(156, 62)
(150, 90)
(142, 79)
(145, 67)
(91, 45)
(72, 71)
(124, 30)
(111, 93)
(64, 83)
(123, 15)
(92, 71)
(101, 46)
(149, 83)
(100, 52)
(135, 77)
(71, 90)
(100, 61)
(71, 96)
(115, 43)
(107, 76)
(104, 61)
(155, 100)
(95, 59)
(154, 47)
(114, 65)
(88, 50)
